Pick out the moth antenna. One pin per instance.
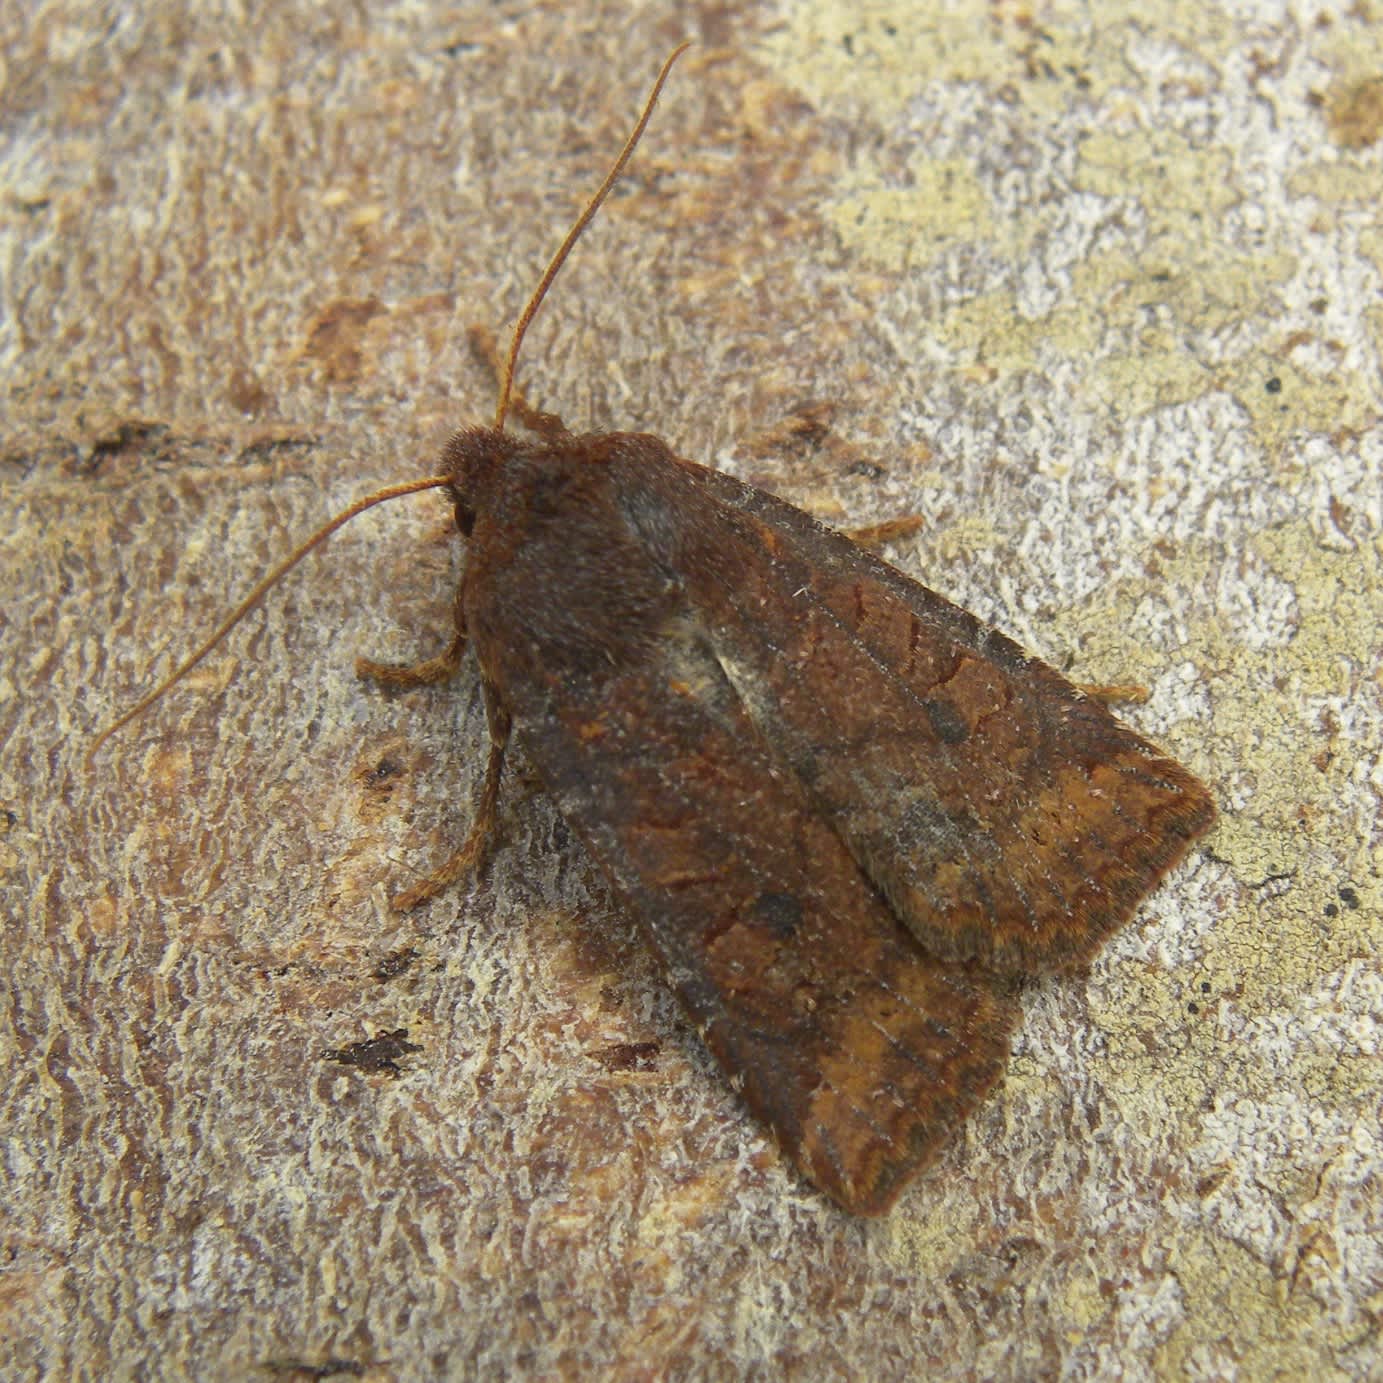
(262, 588)
(574, 234)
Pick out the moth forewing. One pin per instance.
(1008, 817)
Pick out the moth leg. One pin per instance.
(485, 349)
(889, 531)
(471, 855)
(428, 672)
(1131, 692)
(423, 674)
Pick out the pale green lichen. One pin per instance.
(1181, 185)
(987, 327)
(904, 226)
(884, 52)
(1242, 1319)
(1337, 182)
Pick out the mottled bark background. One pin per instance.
(1097, 296)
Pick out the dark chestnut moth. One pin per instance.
(848, 816)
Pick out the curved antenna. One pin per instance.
(574, 234)
(262, 588)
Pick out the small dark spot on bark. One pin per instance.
(1274, 385)
(328, 1368)
(1207, 1186)
(1348, 896)
(870, 470)
(395, 963)
(378, 1053)
(387, 768)
(629, 1056)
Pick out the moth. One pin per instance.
(848, 816)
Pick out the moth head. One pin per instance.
(472, 460)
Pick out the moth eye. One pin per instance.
(465, 519)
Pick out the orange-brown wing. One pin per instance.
(1007, 817)
(860, 1051)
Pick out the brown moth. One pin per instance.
(846, 814)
